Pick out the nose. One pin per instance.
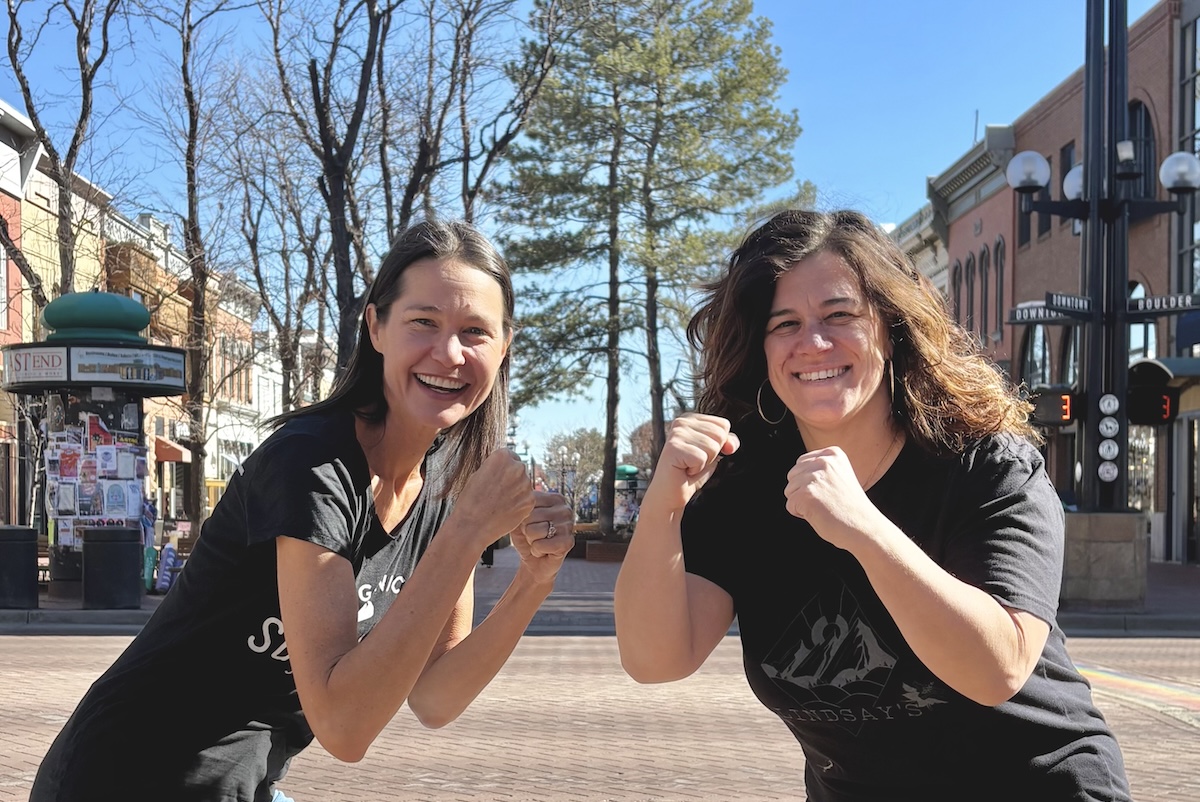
(448, 350)
(813, 339)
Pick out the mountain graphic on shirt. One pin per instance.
(831, 657)
(840, 652)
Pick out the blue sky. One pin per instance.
(888, 93)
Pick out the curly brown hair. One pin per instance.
(948, 394)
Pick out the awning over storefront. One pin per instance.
(169, 451)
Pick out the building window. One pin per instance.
(1070, 358)
(956, 290)
(1035, 361)
(1023, 223)
(985, 267)
(4, 290)
(969, 319)
(998, 252)
(1141, 132)
(1143, 336)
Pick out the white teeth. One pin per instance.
(821, 374)
(440, 383)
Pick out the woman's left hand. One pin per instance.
(545, 536)
(823, 489)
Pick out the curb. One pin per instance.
(565, 618)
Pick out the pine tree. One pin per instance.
(657, 128)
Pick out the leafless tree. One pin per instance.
(404, 105)
(191, 104)
(92, 23)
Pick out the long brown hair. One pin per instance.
(360, 386)
(947, 393)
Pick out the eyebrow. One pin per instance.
(839, 300)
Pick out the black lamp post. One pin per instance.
(523, 454)
(1098, 193)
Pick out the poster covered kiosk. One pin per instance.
(83, 386)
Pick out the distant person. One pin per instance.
(334, 581)
(862, 490)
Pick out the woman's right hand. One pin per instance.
(695, 443)
(497, 497)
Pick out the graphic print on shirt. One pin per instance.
(366, 593)
(270, 641)
(836, 668)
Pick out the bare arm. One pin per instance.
(465, 662)
(668, 621)
(974, 644)
(350, 690)
(977, 646)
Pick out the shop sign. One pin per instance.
(116, 365)
(40, 364)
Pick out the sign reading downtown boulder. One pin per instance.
(146, 369)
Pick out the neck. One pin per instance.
(391, 456)
(870, 448)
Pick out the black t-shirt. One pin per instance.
(822, 652)
(202, 705)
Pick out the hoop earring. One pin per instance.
(892, 380)
(758, 400)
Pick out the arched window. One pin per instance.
(1070, 357)
(985, 266)
(1035, 358)
(998, 253)
(956, 290)
(1141, 133)
(1143, 336)
(968, 320)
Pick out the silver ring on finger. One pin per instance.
(551, 529)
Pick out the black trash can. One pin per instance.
(66, 573)
(112, 568)
(18, 568)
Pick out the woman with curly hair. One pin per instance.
(862, 489)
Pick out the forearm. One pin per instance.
(650, 603)
(369, 683)
(965, 637)
(454, 679)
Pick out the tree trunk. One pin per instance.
(608, 476)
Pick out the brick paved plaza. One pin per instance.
(562, 722)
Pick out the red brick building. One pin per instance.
(1001, 258)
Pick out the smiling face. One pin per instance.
(442, 341)
(826, 349)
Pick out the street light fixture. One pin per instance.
(1097, 193)
(566, 474)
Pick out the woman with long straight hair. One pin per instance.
(333, 582)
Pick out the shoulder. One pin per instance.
(330, 430)
(1004, 460)
(310, 441)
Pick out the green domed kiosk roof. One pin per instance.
(96, 316)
